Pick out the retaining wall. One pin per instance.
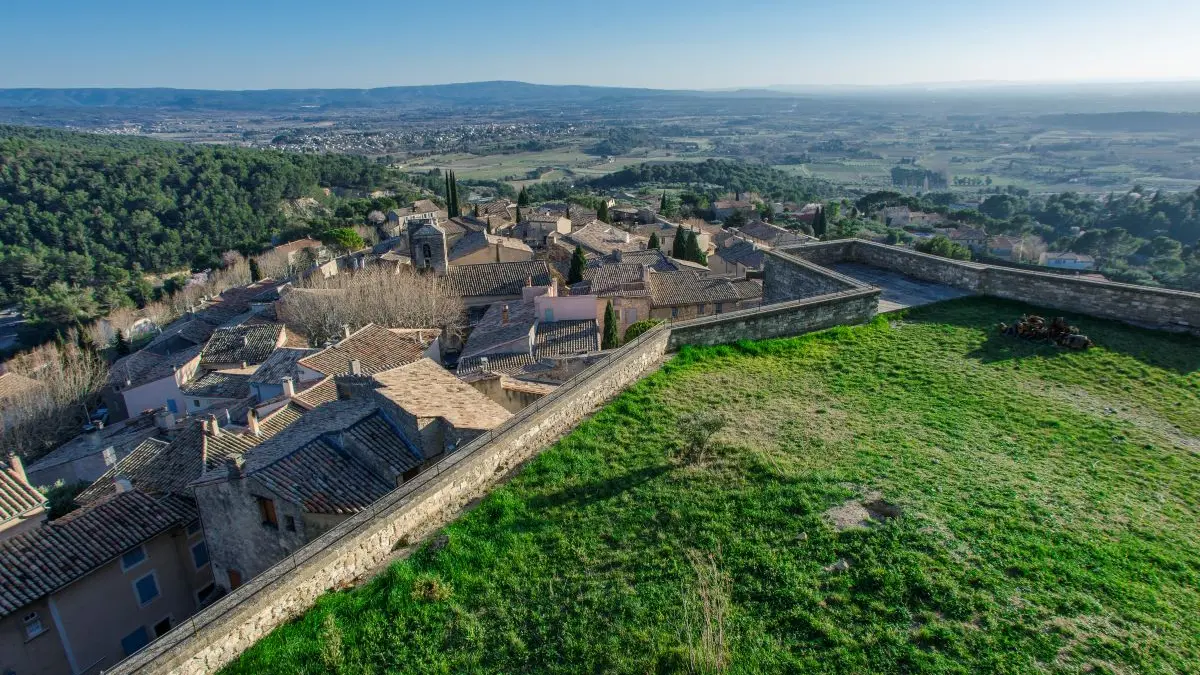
(217, 635)
(1141, 305)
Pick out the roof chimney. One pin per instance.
(122, 484)
(553, 290)
(528, 281)
(15, 468)
(616, 254)
(214, 427)
(164, 419)
(355, 367)
(504, 315)
(289, 388)
(626, 237)
(345, 330)
(252, 421)
(233, 466)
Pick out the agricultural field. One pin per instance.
(921, 493)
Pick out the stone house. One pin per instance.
(484, 284)
(536, 228)
(687, 294)
(600, 238)
(149, 379)
(737, 258)
(773, 236)
(972, 238)
(84, 591)
(333, 461)
(725, 208)
(374, 348)
(480, 247)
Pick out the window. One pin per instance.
(135, 641)
(171, 407)
(200, 554)
(289, 523)
(146, 589)
(161, 628)
(631, 315)
(196, 401)
(266, 509)
(33, 625)
(674, 312)
(132, 558)
(193, 528)
(235, 579)
(205, 594)
(720, 307)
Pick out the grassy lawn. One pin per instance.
(1032, 509)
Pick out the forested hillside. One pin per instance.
(83, 216)
(729, 175)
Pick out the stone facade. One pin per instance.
(784, 319)
(787, 277)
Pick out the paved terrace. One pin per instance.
(899, 290)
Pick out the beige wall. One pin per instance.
(91, 616)
(629, 311)
(29, 521)
(493, 253)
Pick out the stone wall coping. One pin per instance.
(778, 307)
(783, 254)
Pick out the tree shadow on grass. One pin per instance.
(590, 493)
(1177, 352)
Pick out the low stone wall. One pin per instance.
(787, 277)
(783, 319)
(1141, 305)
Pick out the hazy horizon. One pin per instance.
(666, 44)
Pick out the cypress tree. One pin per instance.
(653, 243)
(449, 198)
(662, 205)
(523, 197)
(819, 224)
(518, 213)
(602, 212)
(578, 264)
(611, 340)
(255, 272)
(678, 246)
(693, 252)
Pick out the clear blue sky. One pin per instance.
(256, 44)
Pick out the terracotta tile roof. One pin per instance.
(498, 207)
(602, 238)
(504, 364)
(748, 289)
(17, 496)
(189, 328)
(773, 235)
(425, 389)
(566, 338)
(613, 279)
(283, 362)
(669, 289)
(493, 331)
(122, 437)
(278, 420)
(497, 279)
(323, 479)
(145, 366)
(216, 384)
(375, 347)
(242, 344)
(39, 562)
(305, 426)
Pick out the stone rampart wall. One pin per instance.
(1141, 305)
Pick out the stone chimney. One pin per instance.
(529, 281)
(15, 468)
(252, 422)
(214, 427)
(164, 419)
(553, 290)
(289, 387)
(345, 331)
(233, 466)
(616, 254)
(355, 367)
(504, 315)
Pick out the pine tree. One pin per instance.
(611, 339)
(678, 247)
(578, 264)
(255, 272)
(602, 212)
(653, 243)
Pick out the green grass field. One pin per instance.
(1031, 509)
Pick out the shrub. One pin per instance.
(697, 429)
(639, 327)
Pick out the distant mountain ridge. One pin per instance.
(491, 93)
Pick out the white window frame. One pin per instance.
(145, 556)
(192, 549)
(33, 619)
(157, 589)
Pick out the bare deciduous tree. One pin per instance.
(39, 418)
(319, 307)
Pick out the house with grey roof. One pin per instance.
(773, 236)
(215, 388)
(241, 346)
(334, 461)
(91, 453)
(601, 238)
(266, 382)
(687, 295)
(147, 380)
(487, 283)
(480, 247)
(737, 257)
